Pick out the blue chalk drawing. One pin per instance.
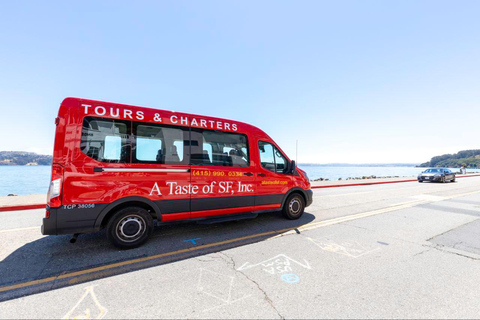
(193, 241)
(290, 278)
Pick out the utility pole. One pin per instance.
(296, 150)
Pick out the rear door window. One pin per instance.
(106, 140)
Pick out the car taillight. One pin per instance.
(54, 198)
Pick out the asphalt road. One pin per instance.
(404, 250)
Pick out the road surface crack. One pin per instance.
(442, 249)
(422, 252)
(231, 262)
(456, 244)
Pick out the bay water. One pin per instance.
(23, 180)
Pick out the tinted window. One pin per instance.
(219, 148)
(106, 140)
(266, 155)
(271, 158)
(208, 150)
(281, 164)
(160, 144)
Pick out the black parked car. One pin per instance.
(437, 174)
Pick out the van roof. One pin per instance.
(73, 102)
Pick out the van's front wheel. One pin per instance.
(130, 227)
(294, 207)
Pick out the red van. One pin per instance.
(127, 168)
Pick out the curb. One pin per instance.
(24, 207)
(41, 206)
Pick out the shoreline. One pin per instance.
(376, 180)
(373, 177)
(361, 178)
(37, 201)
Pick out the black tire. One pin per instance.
(294, 207)
(453, 180)
(420, 181)
(130, 227)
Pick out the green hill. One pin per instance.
(20, 158)
(467, 158)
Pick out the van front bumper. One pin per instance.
(309, 194)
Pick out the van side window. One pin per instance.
(266, 155)
(217, 148)
(208, 150)
(158, 144)
(271, 158)
(112, 149)
(106, 140)
(281, 163)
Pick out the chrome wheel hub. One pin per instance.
(294, 206)
(130, 228)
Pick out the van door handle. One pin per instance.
(248, 174)
(262, 175)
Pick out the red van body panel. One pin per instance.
(92, 189)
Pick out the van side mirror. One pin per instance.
(292, 167)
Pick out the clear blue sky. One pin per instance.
(353, 81)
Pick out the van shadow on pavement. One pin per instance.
(53, 262)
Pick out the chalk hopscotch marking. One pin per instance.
(280, 264)
(218, 286)
(276, 265)
(351, 249)
(290, 278)
(193, 241)
(85, 309)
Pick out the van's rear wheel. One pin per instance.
(130, 227)
(294, 207)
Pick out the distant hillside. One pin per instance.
(467, 158)
(20, 158)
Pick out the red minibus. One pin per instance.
(128, 168)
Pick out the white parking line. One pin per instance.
(345, 194)
(20, 229)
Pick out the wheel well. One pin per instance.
(297, 192)
(125, 205)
